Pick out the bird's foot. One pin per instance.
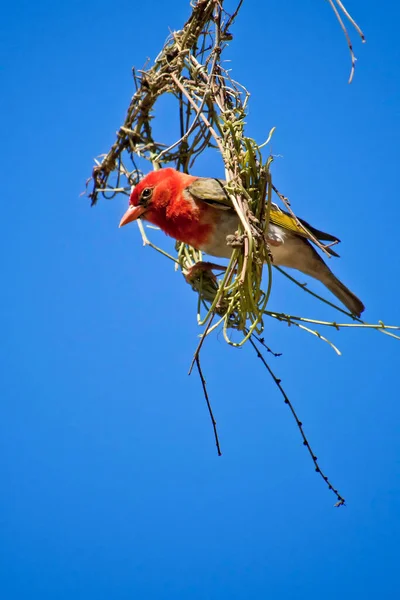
(201, 267)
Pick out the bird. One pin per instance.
(199, 212)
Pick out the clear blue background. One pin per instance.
(111, 486)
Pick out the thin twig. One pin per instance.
(352, 21)
(343, 27)
(213, 421)
(203, 337)
(202, 115)
(268, 349)
(341, 500)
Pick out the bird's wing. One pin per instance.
(286, 221)
(212, 192)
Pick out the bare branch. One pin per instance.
(214, 423)
(341, 500)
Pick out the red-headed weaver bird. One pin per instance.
(198, 211)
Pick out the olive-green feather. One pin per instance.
(211, 191)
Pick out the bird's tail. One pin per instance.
(343, 293)
(298, 253)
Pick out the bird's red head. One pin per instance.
(152, 195)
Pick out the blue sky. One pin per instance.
(111, 486)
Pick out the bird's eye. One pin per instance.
(146, 194)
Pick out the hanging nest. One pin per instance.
(211, 109)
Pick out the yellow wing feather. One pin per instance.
(277, 217)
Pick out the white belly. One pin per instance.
(229, 224)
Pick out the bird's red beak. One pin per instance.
(133, 213)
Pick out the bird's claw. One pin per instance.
(203, 267)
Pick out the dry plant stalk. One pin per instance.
(212, 108)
